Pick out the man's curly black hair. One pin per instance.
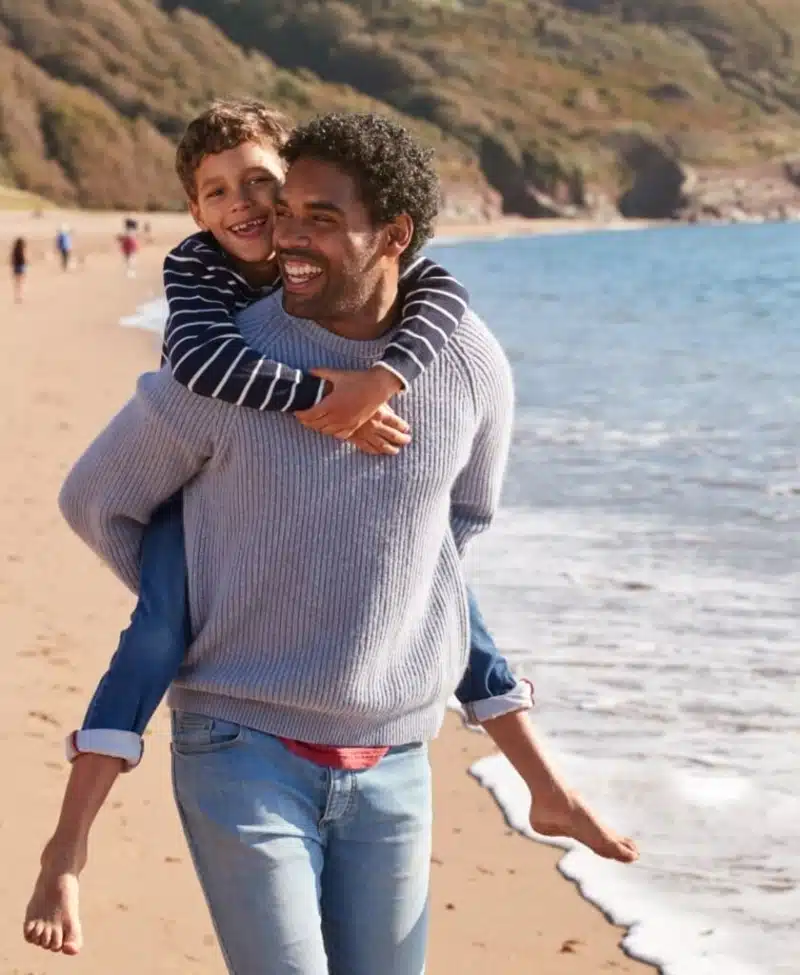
(393, 171)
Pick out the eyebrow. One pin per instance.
(264, 172)
(214, 180)
(210, 183)
(324, 206)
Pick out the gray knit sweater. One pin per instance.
(325, 586)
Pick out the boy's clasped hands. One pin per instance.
(355, 408)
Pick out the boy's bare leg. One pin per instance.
(52, 919)
(555, 809)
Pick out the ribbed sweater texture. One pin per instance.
(325, 586)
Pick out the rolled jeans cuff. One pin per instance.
(519, 698)
(126, 745)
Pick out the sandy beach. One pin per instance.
(498, 900)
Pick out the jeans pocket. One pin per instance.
(197, 734)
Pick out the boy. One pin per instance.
(229, 166)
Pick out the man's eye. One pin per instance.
(318, 218)
(217, 192)
(261, 179)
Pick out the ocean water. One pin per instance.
(645, 569)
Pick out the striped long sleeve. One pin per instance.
(433, 305)
(202, 344)
(207, 354)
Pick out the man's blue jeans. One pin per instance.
(305, 869)
(153, 647)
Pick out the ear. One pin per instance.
(398, 235)
(194, 209)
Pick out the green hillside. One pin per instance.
(546, 103)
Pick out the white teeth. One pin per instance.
(300, 272)
(248, 225)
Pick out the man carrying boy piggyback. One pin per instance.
(328, 617)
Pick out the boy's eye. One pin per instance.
(217, 192)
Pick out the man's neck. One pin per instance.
(372, 320)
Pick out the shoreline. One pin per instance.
(509, 227)
(497, 898)
(95, 232)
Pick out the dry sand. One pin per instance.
(498, 901)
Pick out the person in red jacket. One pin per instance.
(129, 245)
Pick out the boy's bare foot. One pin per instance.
(566, 814)
(52, 919)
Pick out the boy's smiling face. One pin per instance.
(236, 199)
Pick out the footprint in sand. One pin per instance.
(44, 717)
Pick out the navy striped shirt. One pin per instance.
(208, 355)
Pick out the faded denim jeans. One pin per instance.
(306, 870)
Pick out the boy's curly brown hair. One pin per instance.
(226, 124)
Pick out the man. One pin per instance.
(326, 591)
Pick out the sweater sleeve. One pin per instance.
(155, 445)
(475, 496)
(433, 305)
(205, 349)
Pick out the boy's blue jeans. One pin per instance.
(153, 646)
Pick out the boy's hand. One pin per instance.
(354, 399)
(384, 433)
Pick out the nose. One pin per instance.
(242, 198)
(291, 233)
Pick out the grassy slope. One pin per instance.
(94, 92)
(537, 87)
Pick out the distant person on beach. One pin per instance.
(64, 246)
(190, 269)
(129, 246)
(19, 267)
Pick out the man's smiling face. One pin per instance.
(328, 247)
(236, 199)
